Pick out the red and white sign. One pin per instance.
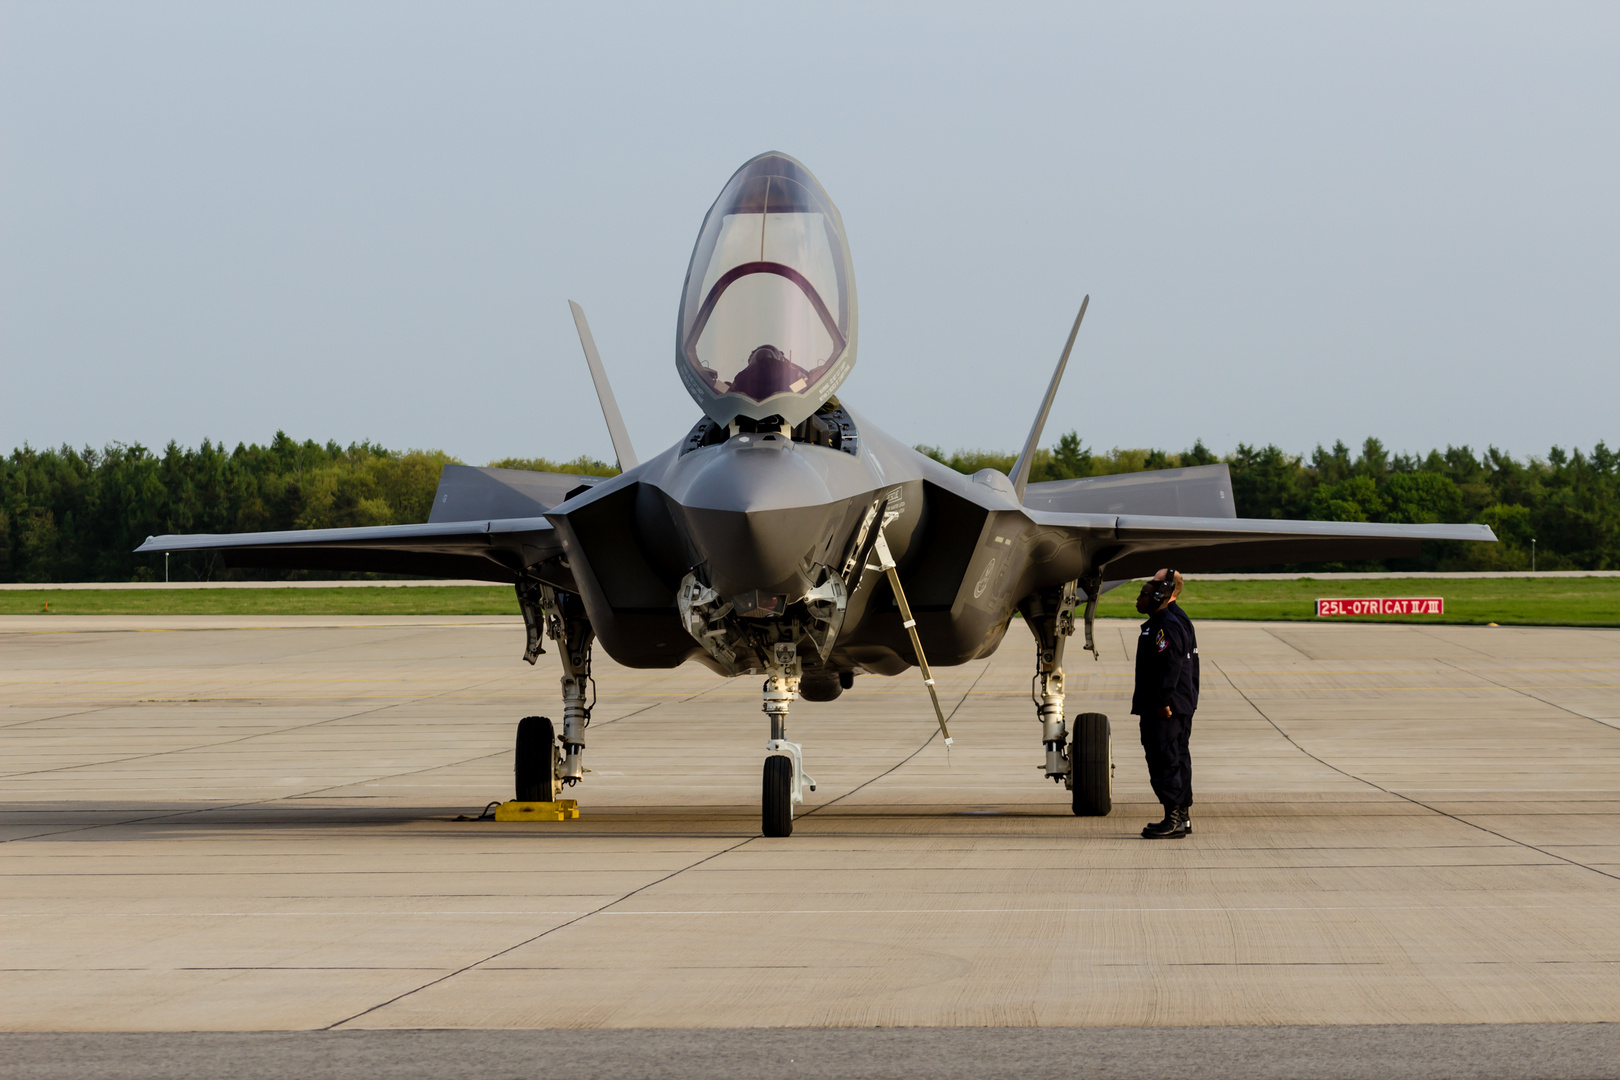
(1426, 605)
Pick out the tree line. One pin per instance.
(77, 515)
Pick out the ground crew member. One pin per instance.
(1166, 697)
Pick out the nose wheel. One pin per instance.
(777, 796)
(785, 779)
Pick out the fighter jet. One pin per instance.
(788, 537)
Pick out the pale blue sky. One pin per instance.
(357, 220)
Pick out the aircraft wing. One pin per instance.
(490, 550)
(486, 524)
(1136, 545)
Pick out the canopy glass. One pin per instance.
(768, 312)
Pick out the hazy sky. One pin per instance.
(1297, 223)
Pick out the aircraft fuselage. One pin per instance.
(759, 515)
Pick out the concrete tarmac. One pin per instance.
(1355, 1052)
(247, 824)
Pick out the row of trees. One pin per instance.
(1568, 503)
(77, 515)
(72, 515)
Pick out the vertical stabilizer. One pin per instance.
(1020, 472)
(604, 393)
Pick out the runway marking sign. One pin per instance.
(1425, 605)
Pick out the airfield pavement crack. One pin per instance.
(1405, 798)
(1279, 638)
(253, 735)
(1435, 634)
(926, 743)
(1528, 694)
(656, 704)
(250, 802)
(672, 874)
(531, 940)
(58, 716)
(254, 802)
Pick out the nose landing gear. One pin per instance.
(785, 778)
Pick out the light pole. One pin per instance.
(165, 568)
(1532, 554)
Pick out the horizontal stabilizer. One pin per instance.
(1198, 491)
(468, 493)
(1136, 545)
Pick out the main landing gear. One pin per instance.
(1091, 766)
(1084, 765)
(545, 764)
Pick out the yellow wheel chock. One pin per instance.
(561, 810)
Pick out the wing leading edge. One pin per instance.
(495, 550)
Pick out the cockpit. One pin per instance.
(768, 317)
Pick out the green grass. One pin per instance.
(1509, 601)
(429, 600)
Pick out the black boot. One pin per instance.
(1161, 829)
(1173, 827)
(1186, 817)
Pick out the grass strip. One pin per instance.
(436, 600)
(1507, 601)
(1526, 601)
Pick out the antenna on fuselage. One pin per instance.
(604, 393)
(1020, 472)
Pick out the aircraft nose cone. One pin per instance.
(761, 517)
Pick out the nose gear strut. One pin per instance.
(783, 787)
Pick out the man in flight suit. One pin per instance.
(1166, 697)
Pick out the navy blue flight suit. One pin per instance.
(1167, 674)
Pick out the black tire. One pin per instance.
(777, 796)
(536, 766)
(1091, 765)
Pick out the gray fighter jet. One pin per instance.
(787, 536)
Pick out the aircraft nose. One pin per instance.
(761, 517)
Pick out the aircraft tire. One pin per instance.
(1091, 764)
(535, 769)
(777, 796)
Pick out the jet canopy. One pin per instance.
(767, 324)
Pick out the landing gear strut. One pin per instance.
(572, 632)
(1084, 766)
(1050, 614)
(785, 778)
(562, 616)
